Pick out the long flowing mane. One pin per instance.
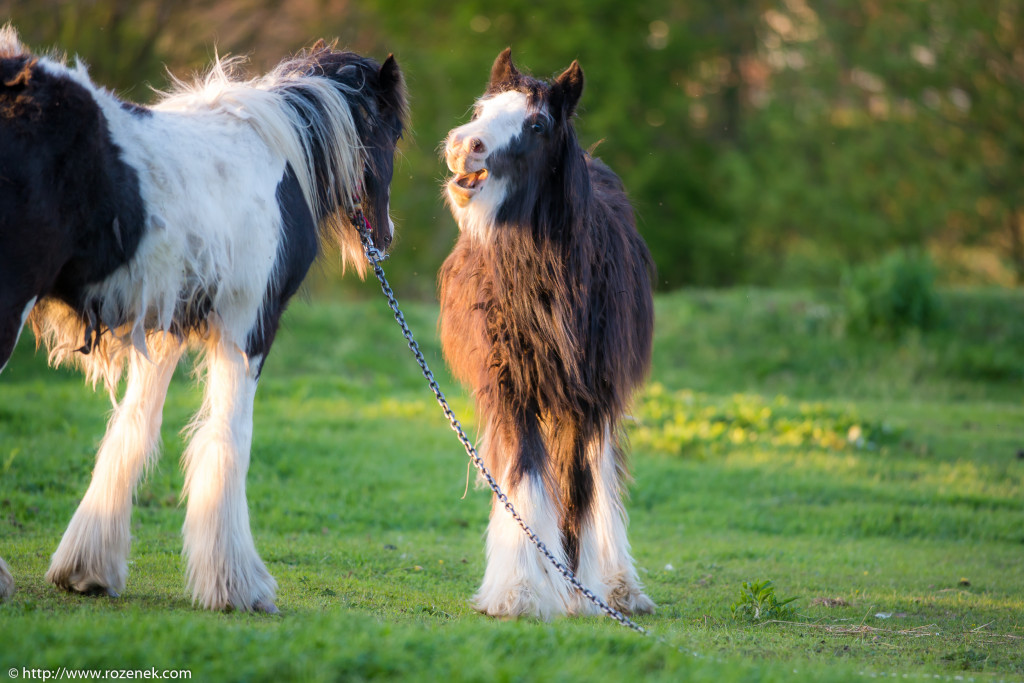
(307, 120)
(303, 108)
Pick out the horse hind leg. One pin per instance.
(605, 563)
(12, 320)
(6, 581)
(10, 330)
(224, 569)
(93, 554)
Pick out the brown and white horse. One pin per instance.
(546, 313)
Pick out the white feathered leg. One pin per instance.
(93, 554)
(224, 569)
(606, 566)
(518, 580)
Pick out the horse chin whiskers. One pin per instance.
(464, 187)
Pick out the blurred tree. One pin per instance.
(762, 141)
(117, 38)
(883, 125)
(975, 52)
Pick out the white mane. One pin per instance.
(10, 45)
(269, 103)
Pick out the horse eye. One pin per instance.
(537, 127)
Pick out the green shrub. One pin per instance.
(757, 603)
(893, 295)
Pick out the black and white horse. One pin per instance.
(130, 233)
(546, 313)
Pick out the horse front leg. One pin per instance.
(518, 580)
(93, 554)
(605, 563)
(224, 569)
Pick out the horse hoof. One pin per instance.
(631, 600)
(96, 591)
(266, 607)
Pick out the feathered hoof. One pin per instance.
(631, 600)
(247, 587)
(92, 557)
(265, 606)
(6, 581)
(74, 579)
(518, 601)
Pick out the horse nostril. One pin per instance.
(476, 146)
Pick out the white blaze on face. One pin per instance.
(499, 120)
(473, 194)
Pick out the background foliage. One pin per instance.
(763, 141)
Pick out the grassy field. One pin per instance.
(881, 483)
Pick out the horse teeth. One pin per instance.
(471, 180)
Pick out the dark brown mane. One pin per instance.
(564, 303)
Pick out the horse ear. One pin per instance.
(569, 85)
(503, 71)
(392, 86)
(389, 75)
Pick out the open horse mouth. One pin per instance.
(462, 187)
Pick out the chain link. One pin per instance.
(374, 256)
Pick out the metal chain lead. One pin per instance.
(374, 256)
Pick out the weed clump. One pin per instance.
(757, 603)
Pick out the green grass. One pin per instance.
(865, 478)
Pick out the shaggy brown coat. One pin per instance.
(552, 331)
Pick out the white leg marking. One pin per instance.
(93, 554)
(6, 581)
(24, 316)
(224, 569)
(606, 566)
(518, 580)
